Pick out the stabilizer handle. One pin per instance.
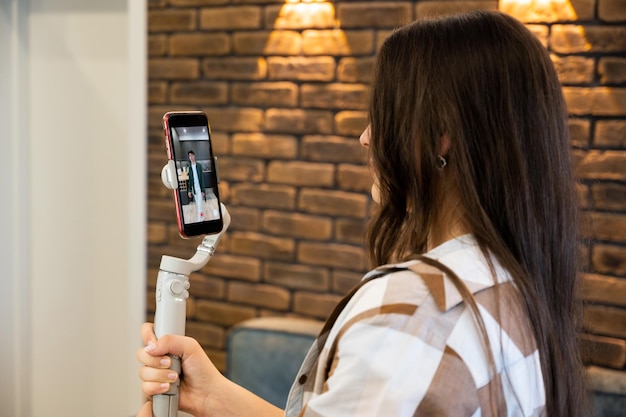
(171, 307)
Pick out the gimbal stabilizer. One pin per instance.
(172, 292)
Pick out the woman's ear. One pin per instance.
(444, 144)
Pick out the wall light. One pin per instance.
(539, 10)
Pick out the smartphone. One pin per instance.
(188, 144)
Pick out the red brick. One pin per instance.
(230, 18)
(244, 218)
(227, 68)
(611, 10)
(439, 8)
(161, 210)
(265, 146)
(242, 169)
(298, 121)
(266, 296)
(333, 149)
(301, 173)
(350, 123)
(381, 36)
(199, 44)
(155, 123)
(199, 92)
(609, 259)
(602, 165)
(541, 32)
(610, 133)
(350, 231)
(157, 45)
(157, 92)
(218, 357)
(354, 178)
(206, 287)
(264, 196)
(600, 101)
(606, 381)
(156, 4)
(184, 3)
(356, 70)
(300, 16)
(612, 70)
(605, 321)
(150, 304)
(549, 12)
(333, 203)
(235, 119)
(173, 69)
(334, 96)
(378, 14)
(156, 188)
(224, 188)
(156, 232)
(232, 266)
(604, 351)
(208, 335)
(297, 225)
(220, 143)
(603, 289)
(295, 276)
(301, 68)
(337, 42)
(171, 20)
(567, 39)
(609, 226)
(333, 255)
(275, 42)
(257, 1)
(343, 281)
(314, 304)
(574, 69)
(264, 246)
(579, 131)
(584, 199)
(609, 196)
(223, 313)
(265, 94)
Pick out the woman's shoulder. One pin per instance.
(391, 284)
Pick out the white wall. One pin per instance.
(73, 225)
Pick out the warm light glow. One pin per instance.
(305, 15)
(539, 10)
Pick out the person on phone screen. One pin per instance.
(196, 185)
(471, 307)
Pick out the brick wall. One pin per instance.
(285, 88)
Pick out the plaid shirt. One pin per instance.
(404, 344)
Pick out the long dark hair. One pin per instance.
(487, 84)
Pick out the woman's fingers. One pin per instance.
(149, 374)
(146, 410)
(153, 361)
(156, 381)
(153, 388)
(147, 333)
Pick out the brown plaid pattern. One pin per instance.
(403, 343)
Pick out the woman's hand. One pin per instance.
(204, 391)
(200, 375)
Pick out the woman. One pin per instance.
(474, 311)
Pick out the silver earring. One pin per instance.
(441, 162)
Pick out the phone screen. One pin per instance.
(188, 140)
